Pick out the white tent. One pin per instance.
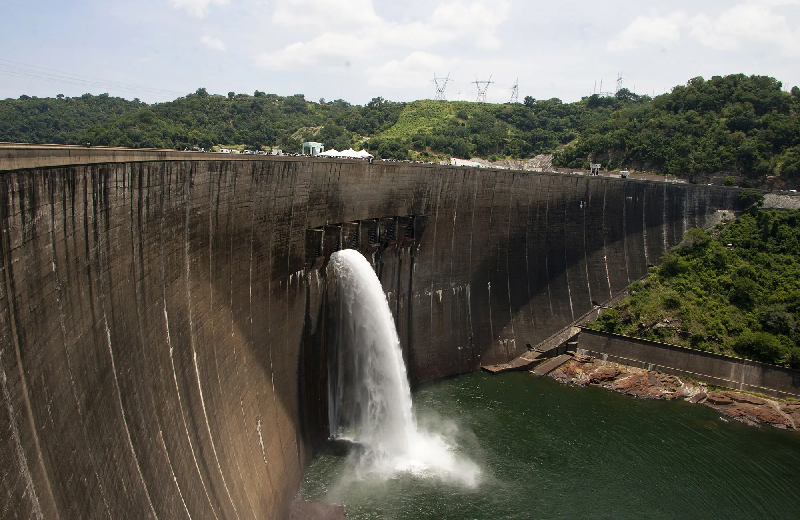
(347, 154)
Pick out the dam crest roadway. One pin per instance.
(164, 318)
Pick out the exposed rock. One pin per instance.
(639, 384)
(792, 410)
(719, 399)
(749, 409)
(603, 374)
(743, 407)
(699, 397)
(744, 398)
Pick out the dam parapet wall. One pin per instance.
(717, 369)
(162, 349)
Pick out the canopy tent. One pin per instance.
(346, 154)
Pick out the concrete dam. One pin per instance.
(163, 349)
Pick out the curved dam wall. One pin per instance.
(162, 348)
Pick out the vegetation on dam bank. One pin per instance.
(734, 290)
(745, 125)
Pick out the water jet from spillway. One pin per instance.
(369, 396)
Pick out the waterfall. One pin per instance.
(369, 398)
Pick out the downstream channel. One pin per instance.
(548, 450)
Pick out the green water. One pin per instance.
(548, 450)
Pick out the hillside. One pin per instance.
(736, 293)
(738, 124)
(742, 125)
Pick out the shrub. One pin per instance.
(609, 320)
(760, 346)
(751, 198)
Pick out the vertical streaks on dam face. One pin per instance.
(37, 319)
(118, 221)
(480, 291)
(575, 246)
(496, 256)
(555, 226)
(287, 305)
(295, 304)
(454, 290)
(673, 217)
(18, 475)
(438, 297)
(654, 221)
(635, 257)
(536, 249)
(596, 251)
(517, 263)
(24, 479)
(258, 401)
(168, 381)
(614, 218)
(155, 384)
(437, 360)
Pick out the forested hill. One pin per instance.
(743, 125)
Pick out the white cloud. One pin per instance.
(746, 23)
(415, 70)
(327, 13)
(477, 19)
(648, 30)
(327, 49)
(196, 8)
(213, 43)
(353, 27)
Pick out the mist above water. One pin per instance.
(369, 395)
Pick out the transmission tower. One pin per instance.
(515, 92)
(619, 82)
(483, 86)
(441, 84)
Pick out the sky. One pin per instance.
(158, 50)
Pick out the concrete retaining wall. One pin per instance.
(713, 368)
(162, 321)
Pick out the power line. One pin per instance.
(483, 86)
(441, 84)
(22, 70)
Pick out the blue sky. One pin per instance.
(358, 49)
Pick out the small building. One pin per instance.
(595, 168)
(313, 148)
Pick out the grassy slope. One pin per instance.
(419, 115)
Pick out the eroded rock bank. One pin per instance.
(747, 408)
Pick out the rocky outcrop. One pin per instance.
(750, 409)
(746, 408)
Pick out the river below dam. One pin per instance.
(547, 450)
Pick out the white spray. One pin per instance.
(369, 396)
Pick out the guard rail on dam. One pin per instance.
(163, 313)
